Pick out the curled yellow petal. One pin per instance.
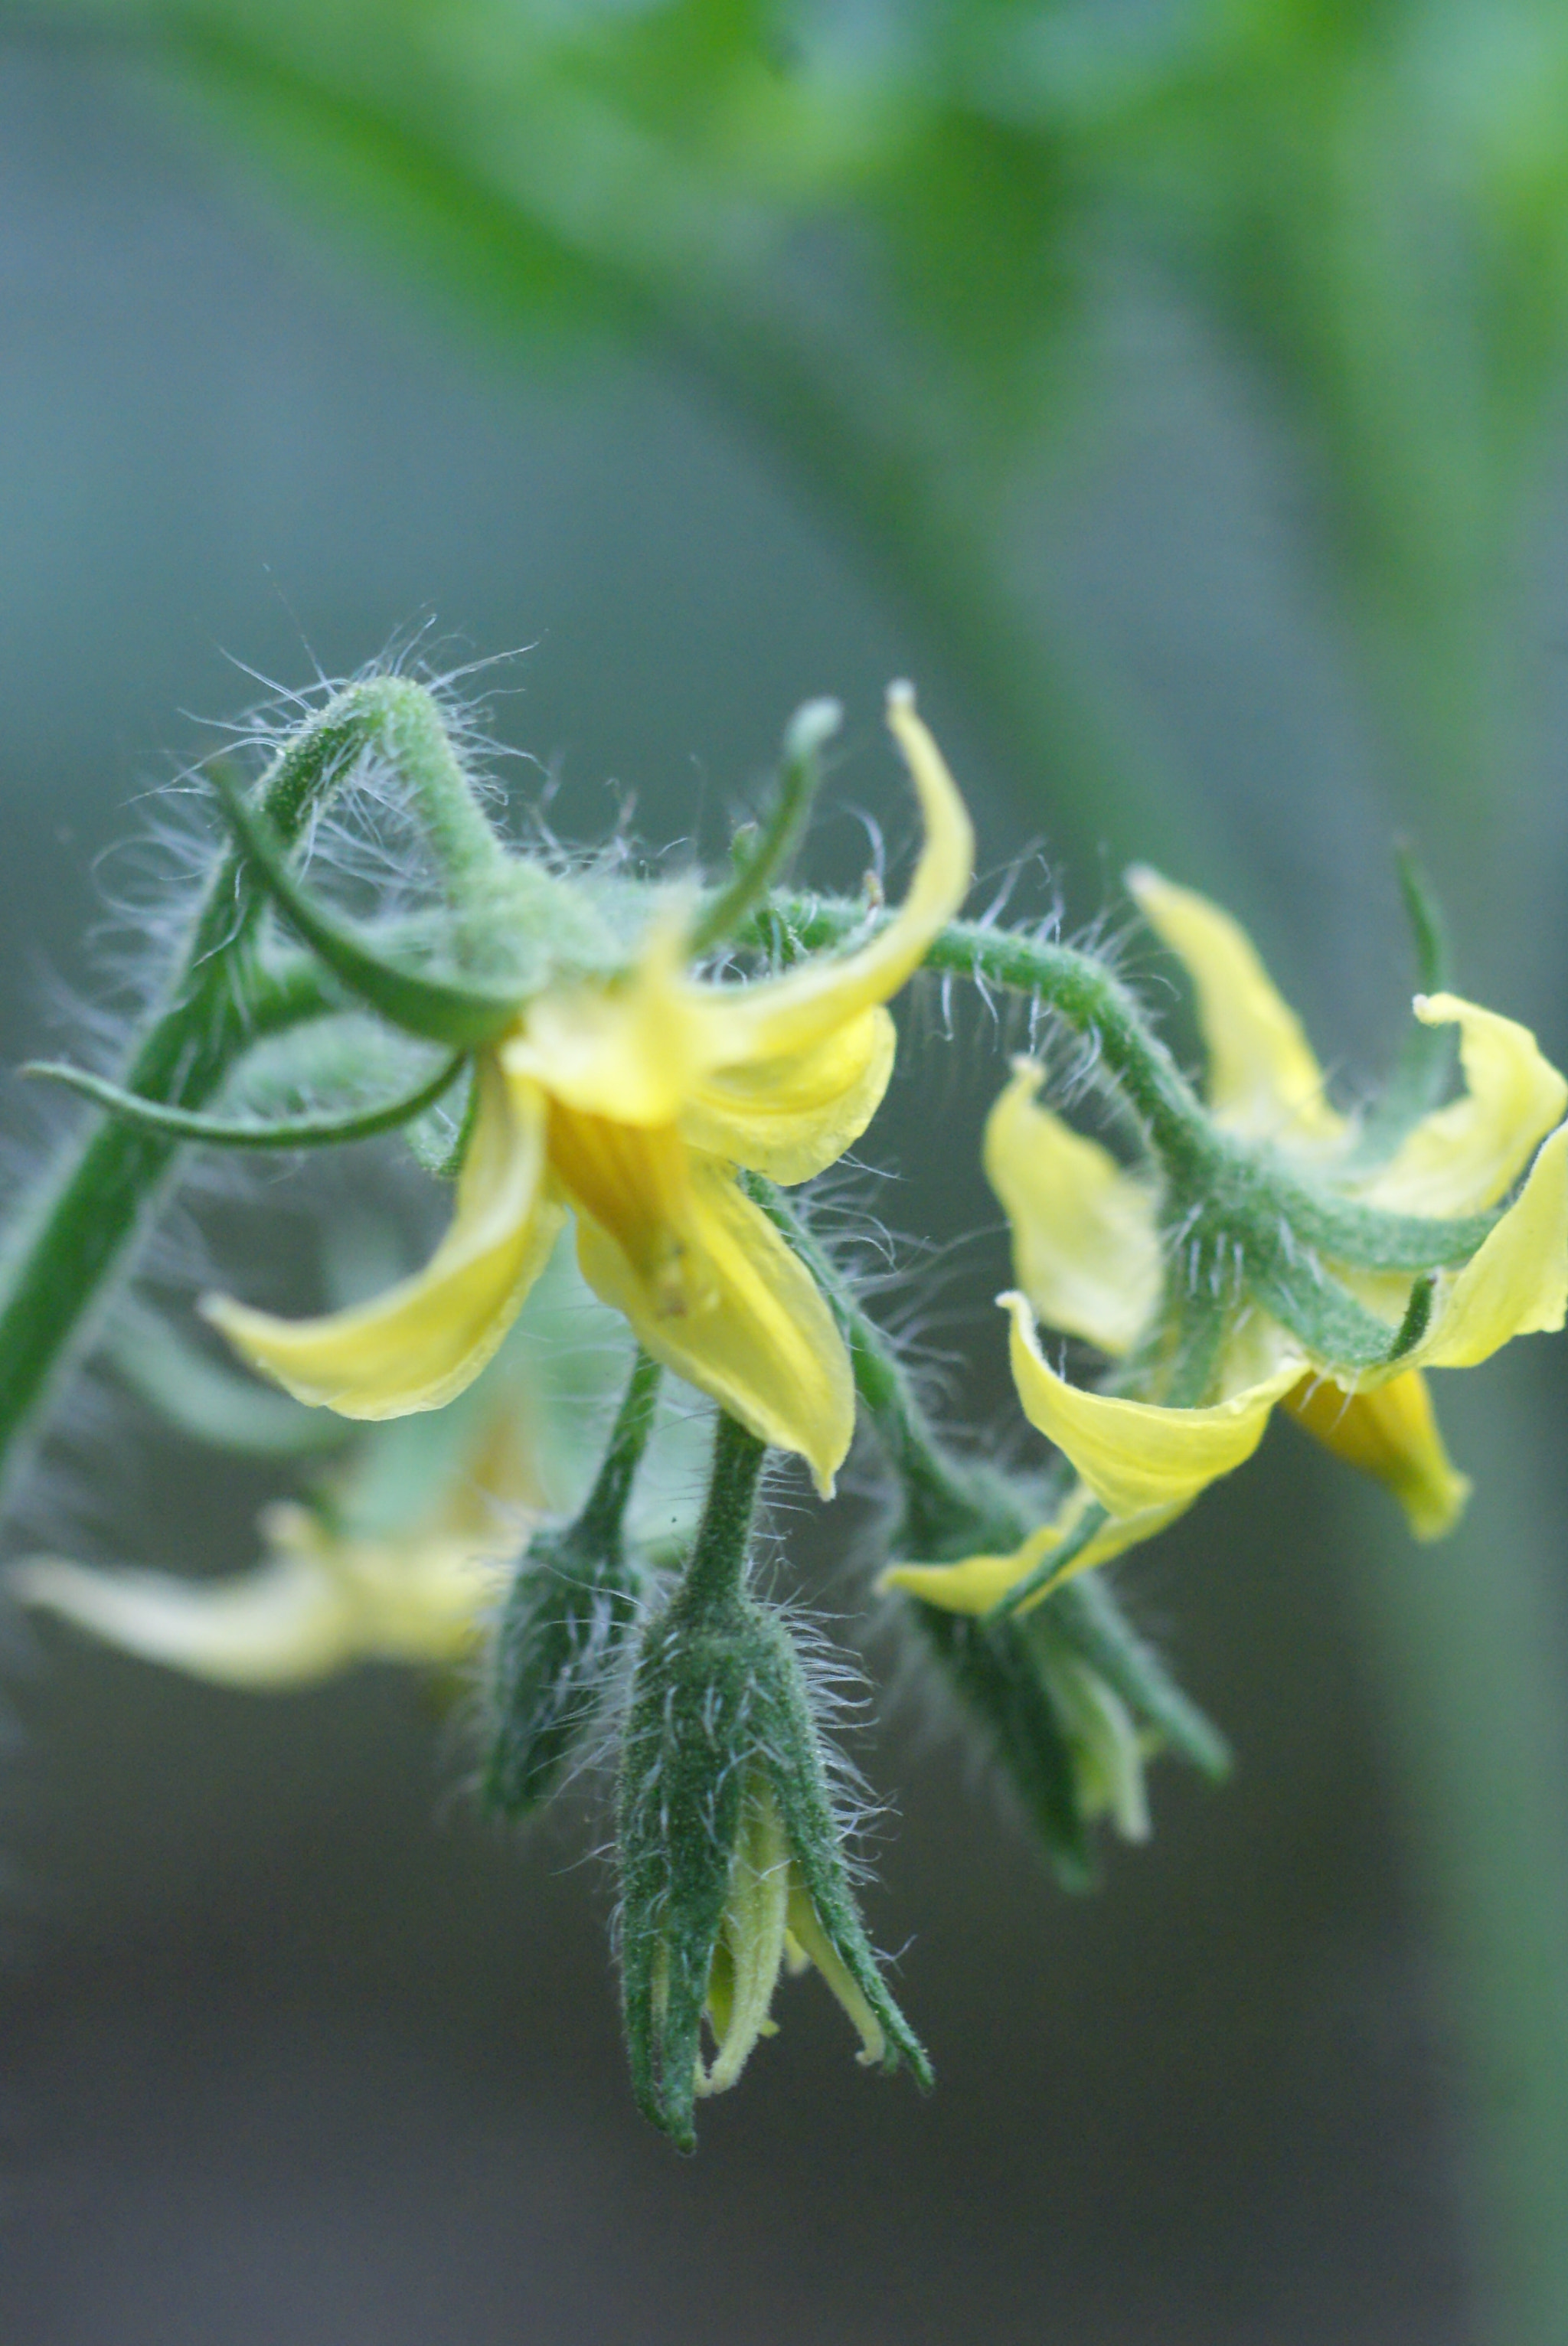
(979, 1582)
(1264, 1079)
(1516, 1282)
(1464, 1157)
(782, 1015)
(1391, 1432)
(1134, 1455)
(1085, 1244)
(760, 1342)
(425, 1338)
(793, 1116)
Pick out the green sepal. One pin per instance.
(551, 1658)
(437, 1009)
(761, 853)
(690, 1733)
(251, 1132)
(576, 1594)
(1336, 1331)
(719, 1700)
(1086, 1616)
(1423, 1066)
(792, 1759)
(991, 1666)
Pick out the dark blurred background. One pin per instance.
(294, 2049)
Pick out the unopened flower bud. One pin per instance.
(732, 1860)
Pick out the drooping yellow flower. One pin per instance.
(634, 1101)
(327, 1592)
(318, 1600)
(412, 1544)
(1091, 1261)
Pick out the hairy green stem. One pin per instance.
(79, 1235)
(716, 1573)
(600, 1517)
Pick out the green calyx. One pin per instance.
(575, 1595)
(721, 1751)
(721, 1762)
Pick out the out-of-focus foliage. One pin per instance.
(872, 230)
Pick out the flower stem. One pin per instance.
(599, 1519)
(79, 1234)
(1076, 984)
(715, 1573)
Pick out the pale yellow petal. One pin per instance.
(1263, 1077)
(762, 1342)
(628, 1047)
(780, 1017)
(284, 1626)
(791, 1117)
(422, 1341)
(1135, 1455)
(750, 1953)
(1464, 1157)
(1085, 1243)
(979, 1582)
(1392, 1433)
(1516, 1283)
(811, 1940)
(319, 1602)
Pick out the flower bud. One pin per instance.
(565, 1616)
(731, 1859)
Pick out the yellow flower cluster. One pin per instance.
(1092, 1260)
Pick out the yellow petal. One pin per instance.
(1136, 1454)
(635, 1179)
(1085, 1246)
(429, 1336)
(809, 1939)
(1516, 1282)
(979, 1582)
(1263, 1077)
(283, 1626)
(318, 1602)
(1464, 1157)
(763, 1343)
(1392, 1433)
(782, 1015)
(628, 1047)
(791, 1117)
(750, 1953)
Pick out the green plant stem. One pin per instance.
(79, 1234)
(716, 1573)
(598, 1522)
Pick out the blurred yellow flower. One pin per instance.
(410, 1546)
(326, 1594)
(1090, 1260)
(634, 1101)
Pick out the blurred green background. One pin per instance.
(1175, 391)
